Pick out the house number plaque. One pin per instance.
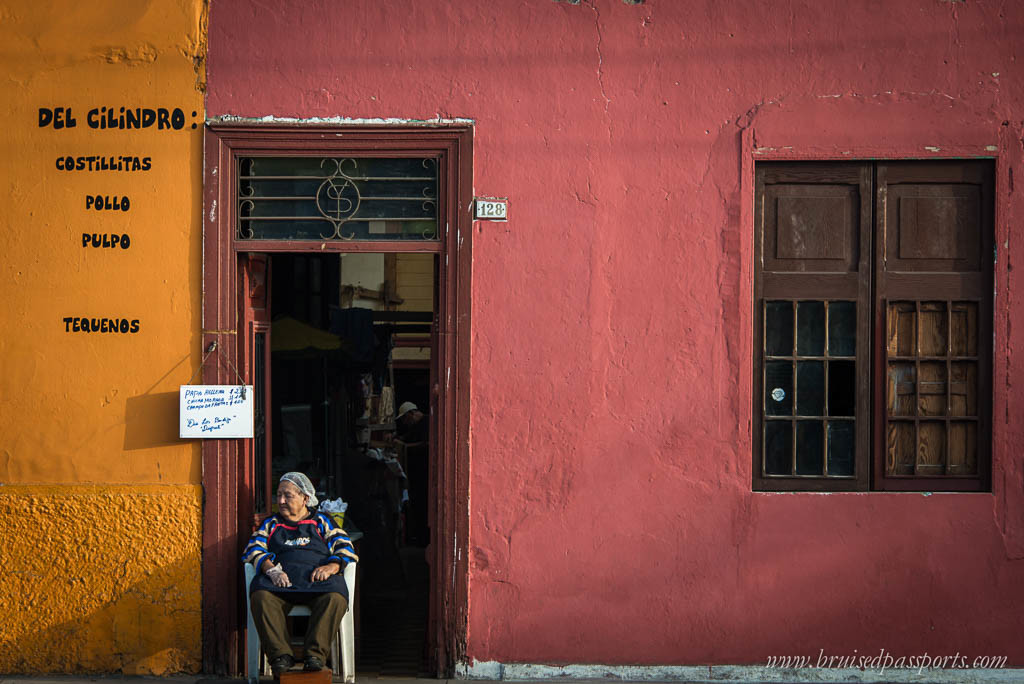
(491, 208)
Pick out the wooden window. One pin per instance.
(873, 315)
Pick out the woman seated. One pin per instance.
(299, 556)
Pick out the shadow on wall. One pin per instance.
(151, 418)
(101, 580)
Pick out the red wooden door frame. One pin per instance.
(254, 303)
(227, 474)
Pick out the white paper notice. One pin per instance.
(215, 411)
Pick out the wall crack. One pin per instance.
(600, 55)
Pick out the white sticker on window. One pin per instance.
(778, 394)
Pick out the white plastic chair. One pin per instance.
(343, 648)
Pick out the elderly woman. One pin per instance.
(299, 556)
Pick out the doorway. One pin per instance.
(336, 281)
(336, 408)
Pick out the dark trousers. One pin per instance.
(270, 610)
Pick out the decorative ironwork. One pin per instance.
(357, 198)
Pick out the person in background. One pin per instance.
(299, 556)
(412, 428)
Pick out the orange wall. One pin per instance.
(100, 579)
(94, 476)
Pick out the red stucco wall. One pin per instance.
(612, 519)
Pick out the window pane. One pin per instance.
(809, 447)
(778, 388)
(963, 448)
(842, 388)
(963, 388)
(841, 447)
(778, 328)
(900, 444)
(901, 320)
(933, 328)
(964, 329)
(810, 388)
(931, 389)
(334, 198)
(931, 452)
(778, 447)
(810, 328)
(901, 389)
(842, 328)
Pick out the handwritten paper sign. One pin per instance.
(215, 411)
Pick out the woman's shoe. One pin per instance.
(281, 663)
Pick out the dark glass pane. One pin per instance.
(842, 388)
(778, 447)
(778, 388)
(778, 328)
(842, 328)
(810, 388)
(324, 230)
(332, 198)
(841, 445)
(809, 451)
(810, 328)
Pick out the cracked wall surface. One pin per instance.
(99, 499)
(612, 519)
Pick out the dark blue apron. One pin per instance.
(299, 549)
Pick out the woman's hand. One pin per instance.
(325, 571)
(276, 574)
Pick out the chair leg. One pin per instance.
(336, 666)
(253, 661)
(347, 631)
(253, 655)
(346, 644)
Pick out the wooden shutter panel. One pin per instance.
(933, 308)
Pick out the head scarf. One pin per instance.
(304, 485)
